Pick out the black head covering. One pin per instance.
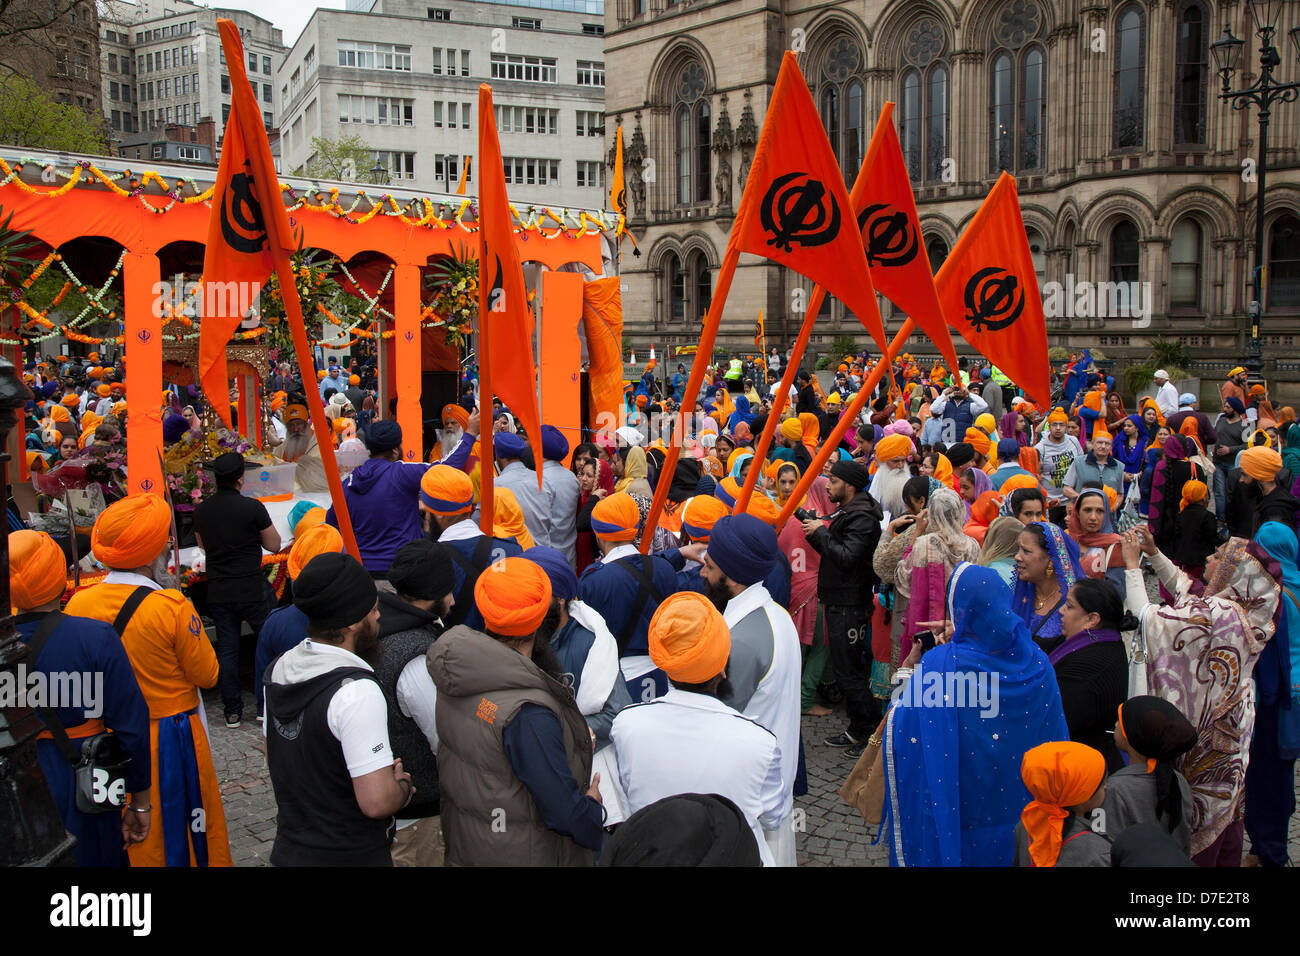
(1145, 844)
(334, 591)
(422, 569)
(690, 829)
(961, 454)
(853, 472)
(1157, 729)
(227, 467)
(686, 477)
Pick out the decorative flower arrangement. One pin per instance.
(188, 488)
(454, 284)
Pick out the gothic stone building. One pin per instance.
(1130, 169)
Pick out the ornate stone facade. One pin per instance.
(1129, 167)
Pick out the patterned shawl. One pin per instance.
(1200, 653)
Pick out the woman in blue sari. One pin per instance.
(953, 791)
(1047, 566)
(1270, 774)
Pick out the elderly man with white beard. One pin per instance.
(300, 447)
(892, 473)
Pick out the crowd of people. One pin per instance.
(1059, 636)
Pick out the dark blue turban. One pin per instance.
(554, 445)
(383, 435)
(744, 548)
(1008, 450)
(174, 428)
(508, 445)
(564, 583)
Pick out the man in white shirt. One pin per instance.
(689, 741)
(1166, 394)
(323, 701)
(765, 657)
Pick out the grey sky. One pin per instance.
(289, 15)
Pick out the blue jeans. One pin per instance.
(228, 616)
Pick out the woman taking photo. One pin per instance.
(1091, 665)
(1047, 566)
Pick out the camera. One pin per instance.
(803, 514)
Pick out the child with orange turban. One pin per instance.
(1068, 782)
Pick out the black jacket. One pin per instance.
(847, 546)
(1246, 509)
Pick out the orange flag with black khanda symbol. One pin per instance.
(506, 364)
(891, 235)
(239, 248)
(618, 193)
(989, 292)
(795, 209)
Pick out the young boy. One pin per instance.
(1068, 783)
(1153, 733)
(1198, 531)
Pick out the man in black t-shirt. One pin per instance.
(232, 531)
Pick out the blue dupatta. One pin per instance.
(1064, 554)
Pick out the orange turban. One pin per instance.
(616, 518)
(103, 391)
(689, 640)
(1099, 429)
(310, 519)
(296, 412)
(1193, 491)
(354, 379)
(92, 356)
(978, 440)
(812, 428)
(1017, 481)
(320, 375)
(893, 446)
(71, 400)
(59, 413)
(513, 595)
(700, 514)
(1058, 415)
(1059, 774)
(1093, 401)
(1258, 391)
(792, 429)
(447, 491)
(37, 462)
(314, 540)
(454, 413)
(38, 569)
(1149, 402)
(132, 532)
(119, 408)
(508, 518)
(773, 469)
(1261, 463)
(763, 508)
(943, 471)
(642, 401)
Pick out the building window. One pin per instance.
(1190, 73)
(526, 23)
(377, 110)
(187, 152)
(523, 171)
(1129, 78)
(937, 252)
(266, 65)
(442, 16)
(225, 83)
(374, 56)
(1037, 254)
(437, 61)
(1185, 266)
(399, 165)
(526, 119)
(157, 151)
(1284, 263)
(591, 173)
(676, 289)
(266, 120)
(1124, 252)
(593, 29)
(692, 133)
(590, 123)
(702, 286)
(924, 102)
(464, 62)
(530, 69)
(591, 73)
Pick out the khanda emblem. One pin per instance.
(620, 201)
(887, 237)
(497, 293)
(994, 299)
(241, 216)
(799, 212)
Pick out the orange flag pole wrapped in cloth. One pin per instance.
(602, 320)
(505, 317)
(796, 212)
(248, 237)
(618, 197)
(989, 292)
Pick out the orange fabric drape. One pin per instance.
(602, 322)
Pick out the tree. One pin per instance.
(30, 118)
(346, 158)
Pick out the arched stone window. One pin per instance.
(1130, 69)
(691, 132)
(841, 102)
(1124, 252)
(1284, 263)
(1191, 68)
(924, 101)
(1185, 265)
(1018, 90)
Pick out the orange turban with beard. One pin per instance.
(132, 532)
(893, 446)
(38, 569)
(513, 595)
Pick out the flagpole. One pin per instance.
(487, 504)
(782, 397)
(306, 368)
(850, 415)
(708, 335)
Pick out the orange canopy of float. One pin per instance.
(143, 213)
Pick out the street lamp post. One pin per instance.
(1266, 91)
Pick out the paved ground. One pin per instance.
(830, 833)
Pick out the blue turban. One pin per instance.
(1008, 450)
(744, 548)
(49, 388)
(564, 583)
(1187, 398)
(508, 445)
(705, 485)
(554, 445)
(383, 435)
(986, 372)
(174, 428)
(1235, 404)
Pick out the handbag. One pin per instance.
(100, 764)
(864, 790)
